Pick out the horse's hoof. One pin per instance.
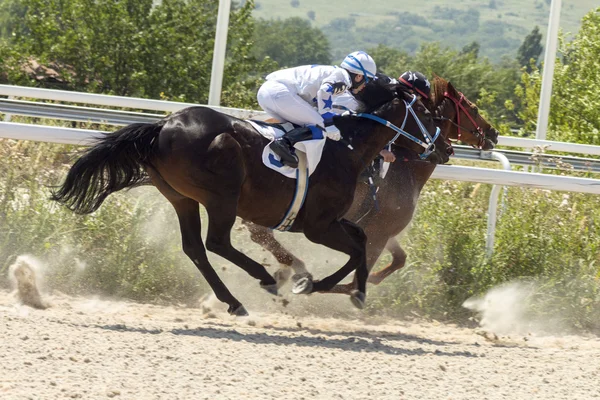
(303, 286)
(238, 311)
(358, 299)
(282, 275)
(272, 288)
(302, 275)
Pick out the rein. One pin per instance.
(428, 145)
(459, 128)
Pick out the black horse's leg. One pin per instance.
(189, 221)
(375, 245)
(398, 261)
(265, 238)
(221, 215)
(188, 213)
(349, 238)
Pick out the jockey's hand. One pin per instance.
(387, 155)
(333, 133)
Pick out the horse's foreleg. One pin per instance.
(221, 215)
(398, 261)
(349, 238)
(375, 244)
(265, 238)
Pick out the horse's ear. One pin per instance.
(451, 90)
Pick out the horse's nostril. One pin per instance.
(449, 151)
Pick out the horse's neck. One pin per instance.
(449, 114)
(421, 170)
(368, 145)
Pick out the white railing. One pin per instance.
(114, 101)
(52, 134)
(172, 106)
(444, 172)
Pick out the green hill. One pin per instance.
(498, 25)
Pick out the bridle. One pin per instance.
(459, 106)
(429, 143)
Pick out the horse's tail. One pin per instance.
(115, 162)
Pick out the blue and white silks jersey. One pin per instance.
(318, 85)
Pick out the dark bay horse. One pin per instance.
(200, 156)
(398, 193)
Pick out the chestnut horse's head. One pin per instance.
(452, 107)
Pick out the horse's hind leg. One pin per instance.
(188, 213)
(265, 238)
(398, 261)
(221, 215)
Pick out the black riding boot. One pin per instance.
(284, 146)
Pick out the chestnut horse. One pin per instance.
(201, 156)
(459, 119)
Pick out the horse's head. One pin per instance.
(388, 101)
(468, 125)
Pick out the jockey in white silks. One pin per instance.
(305, 95)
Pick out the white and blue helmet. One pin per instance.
(361, 63)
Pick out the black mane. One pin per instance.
(376, 93)
(379, 92)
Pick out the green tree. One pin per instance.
(575, 104)
(388, 59)
(472, 48)
(291, 42)
(132, 48)
(10, 12)
(490, 85)
(530, 49)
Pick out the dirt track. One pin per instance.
(92, 349)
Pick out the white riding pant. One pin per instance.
(283, 103)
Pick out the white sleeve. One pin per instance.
(332, 86)
(345, 102)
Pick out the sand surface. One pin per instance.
(97, 349)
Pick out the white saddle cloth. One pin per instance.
(312, 148)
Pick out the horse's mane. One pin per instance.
(439, 87)
(375, 98)
(376, 93)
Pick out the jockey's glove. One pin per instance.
(333, 133)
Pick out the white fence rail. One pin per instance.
(445, 172)
(172, 106)
(84, 137)
(114, 101)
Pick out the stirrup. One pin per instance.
(281, 148)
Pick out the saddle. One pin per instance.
(273, 123)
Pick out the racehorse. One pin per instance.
(459, 119)
(200, 156)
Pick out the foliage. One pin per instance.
(551, 238)
(130, 248)
(450, 26)
(11, 11)
(499, 27)
(481, 81)
(575, 103)
(290, 42)
(132, 48)
(531, 49)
